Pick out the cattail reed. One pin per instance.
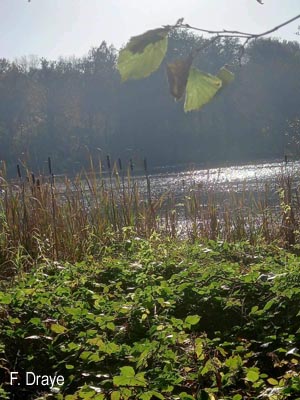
(68, 218)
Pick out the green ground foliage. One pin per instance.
(157, 319)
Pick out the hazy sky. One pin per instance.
(53, 28)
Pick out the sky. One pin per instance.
(54, 28)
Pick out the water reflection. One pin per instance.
(239, 178)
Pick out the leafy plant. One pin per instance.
(161, 319)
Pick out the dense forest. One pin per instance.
(70, 109)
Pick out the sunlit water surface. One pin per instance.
(240, 178)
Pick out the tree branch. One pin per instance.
(239, 34)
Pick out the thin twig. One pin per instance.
(239, 34)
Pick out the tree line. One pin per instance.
(77, 108)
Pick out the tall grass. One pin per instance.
(63, 218)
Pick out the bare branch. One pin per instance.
(239, 34)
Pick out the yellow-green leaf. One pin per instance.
(115, 395)
(201, 88)
(192, 319)
(141, 64)
(127, 377)
(5, 298)
(252, 375)
(56, 328)
(127, 371)
(272, 381)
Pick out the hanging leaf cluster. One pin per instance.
(144, 54)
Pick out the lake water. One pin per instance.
(239, 178)
(240, 196)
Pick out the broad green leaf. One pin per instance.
(14, 320)
(97, 341)
(5, 298)
(127, 377)
(35, 321)
(129, 381)
(56, 328)
(73, 310)
(178, 73)
(141, 64)
(85, 355)
(234, 362)
(111, 326)
(200, 89)
(192, 319)
(115, 395)
(146, 396)
(86, 393)
(105, 347)
(237, 397)
(226, 76)
(110, 348)
(127, 371)
(252, 375)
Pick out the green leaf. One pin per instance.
(234, 362)
(105, 347)
(56, 328)
(86, 393)
(35, 321)
(199, 348)
(137, 65)
(146, 396)
(192, 319)
(111, 326)
(268, 305)
(127, 371)
(149, 395)
(178, 73)
(85, 355)
(5, 298)
(115, 395)
(158, 395)
(185, 396)
(128, 378)
(201, 88)
(252, 375)
(237, 397)
(226, 76)
(272, 381)
(73, 311)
